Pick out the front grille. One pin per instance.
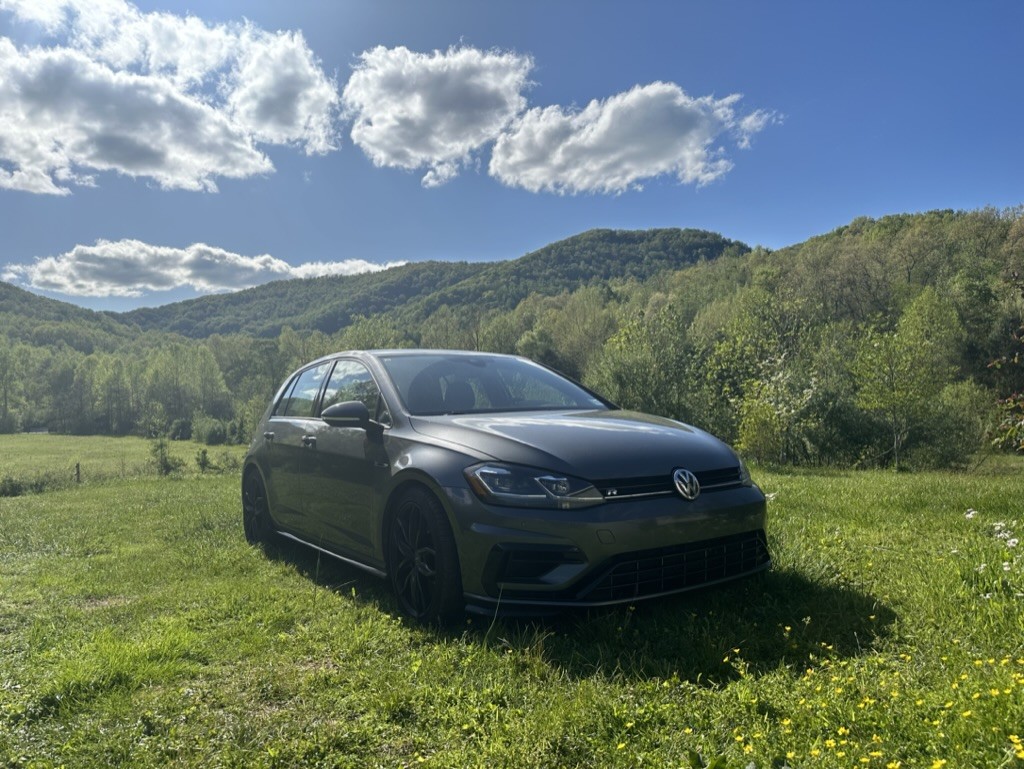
(719, 479)
(624, 488)
(629, 488)
(681, 567)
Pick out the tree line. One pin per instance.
(893, 342)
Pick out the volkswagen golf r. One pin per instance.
(480, 482)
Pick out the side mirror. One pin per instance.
(347, 414)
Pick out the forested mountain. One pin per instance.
(41, 322)
(324, 304)
(892, 341)
(412, 292)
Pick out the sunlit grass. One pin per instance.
(35, 462)
(138, 628)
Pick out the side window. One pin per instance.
(301, 397)
(352, 381)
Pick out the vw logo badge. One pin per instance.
(686, 484)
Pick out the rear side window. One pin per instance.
(300, 399)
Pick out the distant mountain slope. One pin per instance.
(415, 290)
(42, 322)
(326, 304)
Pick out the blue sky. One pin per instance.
(156, 151)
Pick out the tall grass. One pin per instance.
(137, 628)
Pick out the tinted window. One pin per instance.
(300, 398)
(449, 384)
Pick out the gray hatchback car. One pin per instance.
(485, 482)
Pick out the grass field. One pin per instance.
(138, 629)
(34, 462)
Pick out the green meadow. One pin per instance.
(137, 628)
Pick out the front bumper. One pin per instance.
(617, 552)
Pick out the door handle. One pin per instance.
(309, 441)
(268, 436)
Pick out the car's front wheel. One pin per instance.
(423, 564)
(256, 510)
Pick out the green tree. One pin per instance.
(9, 380)
(182, 380)
(776, 415)
(118, 399)
(579, 324)
(1009, 432)
(900, 373)
(375, 332)
(296, 348)
(645, 365)
(59, 380)
(452, 328)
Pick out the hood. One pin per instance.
(594, 445)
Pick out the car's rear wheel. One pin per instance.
(422, 560)
(256, 510)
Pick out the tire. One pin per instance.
(256, 520)
(423, 564)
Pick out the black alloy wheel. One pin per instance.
(422, 561)
(255, 510)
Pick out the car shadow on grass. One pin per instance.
(776, 619)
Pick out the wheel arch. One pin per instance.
(401, 485)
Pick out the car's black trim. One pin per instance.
(647, 574)
(529, 564)
(350, 561)
(680, 567)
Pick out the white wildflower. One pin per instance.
(971, 512)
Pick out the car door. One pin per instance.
(351, 465)
(290, 432)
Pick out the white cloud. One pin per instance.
(185, 103)
(613, 145)
(754, 123)
(64, 116)
(282, 95)
(152, 95)
(433, 111)
(132, 268)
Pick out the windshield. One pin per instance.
(431, 384)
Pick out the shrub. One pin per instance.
(761, 431)
(180, 430)
(165, 463)
(958, 422)
(203, 461)
(228, 462)
(208, 430)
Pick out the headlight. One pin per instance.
(520, 486)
